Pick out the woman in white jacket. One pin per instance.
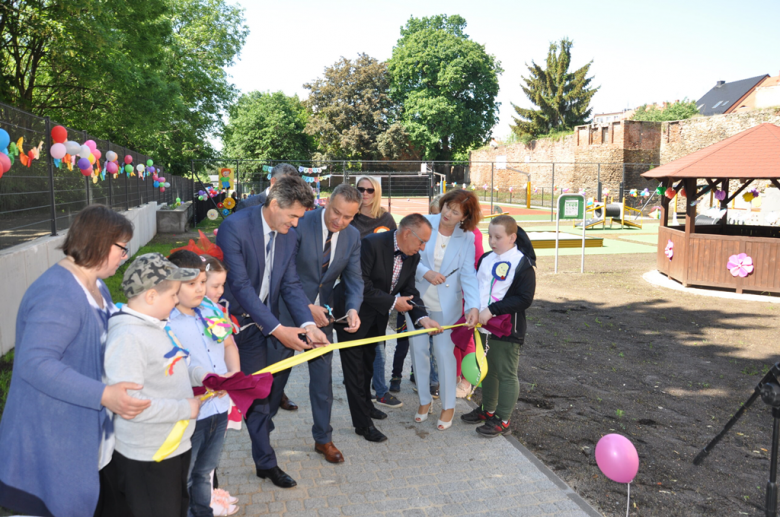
(445, 276)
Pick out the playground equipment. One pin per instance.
(616, 212)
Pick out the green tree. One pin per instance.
(678, 110)
(562, 97)
(267, 126)
(352, 112)
(447, 85)
(148, 74)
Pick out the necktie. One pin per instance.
(265, 289)
(326, 253)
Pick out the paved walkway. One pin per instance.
(418, 471)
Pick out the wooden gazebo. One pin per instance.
(700, 253)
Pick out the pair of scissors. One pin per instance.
(330, 315)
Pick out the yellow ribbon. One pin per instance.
(173, 440)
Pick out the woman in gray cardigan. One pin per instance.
(56, 433)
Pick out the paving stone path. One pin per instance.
(418, 471)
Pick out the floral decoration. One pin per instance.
(669, 251)
(740, 265)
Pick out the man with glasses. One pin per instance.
(389, 264)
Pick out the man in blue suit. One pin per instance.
(328, 248)
(252, 240)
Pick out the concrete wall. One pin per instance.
(21, 265)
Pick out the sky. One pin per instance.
(642, 52)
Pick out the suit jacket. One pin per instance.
(241, 238)
(376, 259)
(249, 202)
(459, 256)
(345, 263)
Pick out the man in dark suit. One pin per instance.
(389, 263)
(279, 170)
(328, 248)
(259, 246)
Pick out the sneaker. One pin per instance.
(476, 416)
(395, 384)
(389, 401)
(435, 391)
(494, 427)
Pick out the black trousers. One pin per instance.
(150, 488)
(358, 366)
(401, 350)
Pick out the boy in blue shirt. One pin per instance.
(202, 328)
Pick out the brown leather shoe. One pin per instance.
(331, 453)
(287, 404)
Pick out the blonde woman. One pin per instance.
(372, 218)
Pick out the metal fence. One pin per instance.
(42, 199)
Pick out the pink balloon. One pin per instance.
(92, 145)
(128, 159)
(97, 153)
(617, 458)
(161, 179)
(162, 189)
(112, 167)
(58, 151)
(5, 163)
(215, 231)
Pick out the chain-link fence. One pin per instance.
(40, 198)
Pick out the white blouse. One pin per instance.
(431, 296)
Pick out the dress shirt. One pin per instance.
(204, 352)
(333, 242)
(431, 296)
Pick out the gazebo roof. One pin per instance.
(751, 154)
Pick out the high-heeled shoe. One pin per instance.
(443, 426)
(422, 417)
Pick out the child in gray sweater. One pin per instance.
(141, 348)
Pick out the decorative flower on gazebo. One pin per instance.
(740, 265)
(670, 193)
(669, 251)
(720, 195)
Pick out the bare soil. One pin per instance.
(607, 352)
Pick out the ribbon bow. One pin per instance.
(404, 256)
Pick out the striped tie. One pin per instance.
(326, 253)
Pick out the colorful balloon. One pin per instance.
(97, 153)
(84, 151)
(140, 167)
(91, 144)
(59, 134)
(111, 156)
(91, 158)
(149, 162)
(5, 164)
(128, 168)
(469, 368)
(88, 171)
(73, 148)
(162, 189)
(58, 151)
(112, 167)
(128, 159)
(162, 180)
(617, 458)
(167, 184)
(156, 184)
(83, 164)
(5, 139)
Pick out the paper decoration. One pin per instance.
(720, 195)
(312, 169)
(669, 251)
(212, 214)
(740, 265)
(670, 193)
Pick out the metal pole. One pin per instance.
(110, 187)
(557, 233)
(127, 191)
(389, 191)
(552, 203)
(52, 211)
(192, 205)
(492, 165)
(598, 185)
(138, 187)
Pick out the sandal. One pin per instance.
(441, 425)
(422, 417)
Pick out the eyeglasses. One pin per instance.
(363, 190)
(422, 242)
(125, 251)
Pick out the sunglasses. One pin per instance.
(125, 251)
(363, 190)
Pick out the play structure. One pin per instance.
(721, 255)
(616, 213)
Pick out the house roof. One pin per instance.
(751, 154)
(724, 95)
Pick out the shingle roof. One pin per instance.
(723, 96)
(753, 153)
